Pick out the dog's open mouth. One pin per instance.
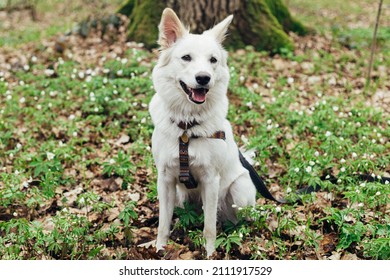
(196, 95)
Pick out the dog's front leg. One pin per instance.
(210, 207)
(166, 188)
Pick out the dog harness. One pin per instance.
(185, 175)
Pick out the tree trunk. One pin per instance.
(261, 23)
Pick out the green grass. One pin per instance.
(77, 178)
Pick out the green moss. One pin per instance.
(256, 25)
(126, 8)
(283, 16)
(144, 17)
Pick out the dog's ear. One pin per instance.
(219, 31)
(170, 29)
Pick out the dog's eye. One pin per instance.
(213, 59)
(186, 57)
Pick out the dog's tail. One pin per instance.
(263, 190)
(256, 179)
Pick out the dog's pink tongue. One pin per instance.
(199, 95)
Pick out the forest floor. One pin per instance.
(77, 178)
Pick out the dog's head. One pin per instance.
(195, 64)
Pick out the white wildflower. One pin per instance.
(49, 72)
(328, 133)
(81, 75)
(82, 201)
(308, 169)
(50, 155)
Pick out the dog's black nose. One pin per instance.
(202, 78)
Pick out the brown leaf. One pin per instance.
(113, 213)
(123, 140)
(349, 256)
(71, 196)
(329, 242)
(187, 256)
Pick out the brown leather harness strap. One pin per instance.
(185, 175)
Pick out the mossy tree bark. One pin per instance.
(263, 24)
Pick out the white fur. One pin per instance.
(215, 164)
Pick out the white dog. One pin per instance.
(189, 113)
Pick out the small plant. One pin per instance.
(197, 238)
(228, 241)
(188, 216)
(121, 166)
